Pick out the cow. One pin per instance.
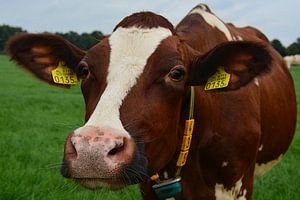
(246, 33)
(292, 60)
(201, 15)
(151, 115)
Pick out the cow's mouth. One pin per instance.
(128, 176)
(97, 183)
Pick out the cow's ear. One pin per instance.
(241, 60)
(41, 53)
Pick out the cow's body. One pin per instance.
(246, 33)
(238, 134)
(279, 77)
(135, 119)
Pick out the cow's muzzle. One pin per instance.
(101, 157)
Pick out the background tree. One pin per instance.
(279, 47)
(84, 40)
(298, 41)
(294, 48)
(6, 32)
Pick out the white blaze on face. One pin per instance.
(234, 193)
(130, 49)
(213, 21)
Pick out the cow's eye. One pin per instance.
(83, 70)
(177, 73)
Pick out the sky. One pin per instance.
(276, 18)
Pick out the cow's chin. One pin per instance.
(98, 183)
(128, 176)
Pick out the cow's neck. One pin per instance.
(190, 173)
(193, 181)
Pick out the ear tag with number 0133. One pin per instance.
(218, 80)
(64, 75)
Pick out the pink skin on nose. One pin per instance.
(97, 153)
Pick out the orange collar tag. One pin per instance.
(186, 142)
(62, 74)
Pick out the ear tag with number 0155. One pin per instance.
(64, 75)
(218, 80)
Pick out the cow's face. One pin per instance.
(133, 94)
(133, 86)
(134, 83)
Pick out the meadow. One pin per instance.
(35, 120)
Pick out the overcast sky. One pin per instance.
(276, 18)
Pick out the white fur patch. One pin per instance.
(261, 169)
(213, 21)
(235, 193)
(256, 82)
(166, 175)
(239, 38)
(203, 7)
(261, 147)
(130, 49)
(224, 164)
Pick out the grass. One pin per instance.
(34, 122)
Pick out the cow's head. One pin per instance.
(134, 83)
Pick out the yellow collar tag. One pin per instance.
(64, 75)
(218, 80)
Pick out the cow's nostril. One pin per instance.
(115, 150)
(70, 151)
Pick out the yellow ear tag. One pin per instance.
(64, 75)
(218, 80)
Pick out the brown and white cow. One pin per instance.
(292, 60)
(135, 83)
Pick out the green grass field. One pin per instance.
(34, 122)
